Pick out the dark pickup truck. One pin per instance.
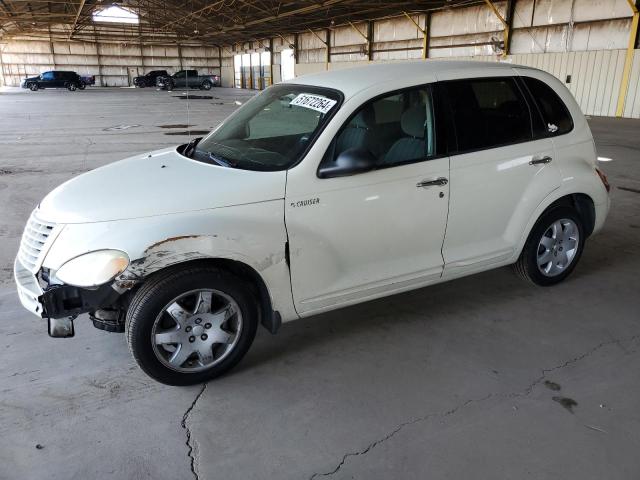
(54, 79)
(188, 79)
(149, 79)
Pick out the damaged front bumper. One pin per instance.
(59, 304)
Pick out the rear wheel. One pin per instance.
(72, 86)
(33, 87)
(206, 85)
(188, 326)
(553, 248)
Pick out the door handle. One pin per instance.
(540, 160)
(432, 183)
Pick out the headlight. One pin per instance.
(93, 269)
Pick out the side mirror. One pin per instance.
(349, 162)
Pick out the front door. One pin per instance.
(366, 235)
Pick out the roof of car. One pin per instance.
(353, 80)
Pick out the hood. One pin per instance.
(156, 183)
(31, 78)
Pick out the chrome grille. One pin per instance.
(34, 238)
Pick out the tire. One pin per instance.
(72, 87)
(33, 87)
(206, 85)
(178, 290)
(169, 86)
(553, 248)
(82, 86)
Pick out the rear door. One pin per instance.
(179, 79)
(500, 171)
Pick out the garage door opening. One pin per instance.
(287, 64)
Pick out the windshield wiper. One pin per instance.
(190, 147)
(223, 162)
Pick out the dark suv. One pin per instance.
(149, 79)
(54, 79)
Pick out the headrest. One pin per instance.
(364, 119)
(413, 120)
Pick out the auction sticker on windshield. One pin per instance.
(314, 102)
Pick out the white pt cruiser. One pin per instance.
(330, 190)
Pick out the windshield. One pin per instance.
(272, 130)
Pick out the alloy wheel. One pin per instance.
(558, 247)
(196, 330)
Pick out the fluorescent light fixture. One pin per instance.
(605, 159)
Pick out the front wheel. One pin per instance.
(553, 248)
(188, 326)
(33, 87)
(82, 86)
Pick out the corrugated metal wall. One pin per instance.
(582, 42)
(113, 63)
(586, 39)
(592, 77)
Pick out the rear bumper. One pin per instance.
(602, 210)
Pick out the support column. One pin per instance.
(505, 24)
(626, 72)
(370, 40)
(326, 44)
(180, 56)
(51, 49)
(366, 38)
(328, 48)
(426, 36)
(95, 38)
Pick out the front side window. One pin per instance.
(395, 129)
(555, 114)
(488, 112)
(271, 131)
(47, 76)
(179, 75)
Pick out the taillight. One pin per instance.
(604, 179)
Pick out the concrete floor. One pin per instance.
(484, 377)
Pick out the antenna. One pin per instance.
(188, 100)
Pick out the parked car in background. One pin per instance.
(331, 190)
(187, 79)
(87, 80)
(53, 79)
(149, 79)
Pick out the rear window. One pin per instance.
(555, 114)
(488, 112)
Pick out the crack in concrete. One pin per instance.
(526, 391)
(185, 425)
(545, 371)
(372, 445)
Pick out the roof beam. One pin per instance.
(75, 21)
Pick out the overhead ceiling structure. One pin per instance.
(222, 22)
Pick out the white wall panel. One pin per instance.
(462, 21)
(632, 104)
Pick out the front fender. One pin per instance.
(253, 234)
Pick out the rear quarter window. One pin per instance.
(555, 114)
